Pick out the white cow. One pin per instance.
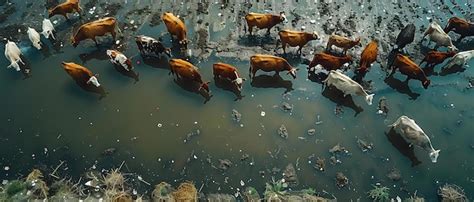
(347, 85)
(460, 58)
(119, 59)
(413, 134)
(13, 54)
(34, 38)
(94, 81)
(48, 29)
(437, 34)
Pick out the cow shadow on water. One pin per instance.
(337, 96)
(256, 40)
(99, 54)
(82, 82)
(402, 146)
(194, 88)
(401, 87)
(453, 70)
(275, 81)
(131, 73)
(225, 84)
(156, 62)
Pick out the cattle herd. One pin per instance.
(328, 59)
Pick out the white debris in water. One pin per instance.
(242, 183)
(132, 22)
(117, 42)
(312, 21)
(159, 125)
(195, 123)
(262, 113)
(303, 27)
(4, 182)
(6, 168)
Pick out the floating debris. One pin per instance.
(244, 157)
(286, 107)
(236, 116)
(289, 175)
(394, 174)
(109, 151)
(224, 164)
(383, 106)
(190, 135)
(320, 164)
(311, 132)
(364, 146)
(341, 180)
(283, 132)
(451, 192)
(338, 149)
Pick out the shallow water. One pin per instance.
(48, 118)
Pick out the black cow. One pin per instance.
(149, 46)
(406, 36)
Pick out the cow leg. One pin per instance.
(277, 73)
(65, 15)
(95, 40)
(284, 47)
(114, 35)
(268, 31)
(300, 50)
(250, 30)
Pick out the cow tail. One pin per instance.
(250, 68)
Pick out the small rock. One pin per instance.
(394, 174)
(289, 175)
(109, 151)
(286, 107)
(283, 132)
(236, 116)
(320, 164)
(341, 180)
(311, 132)
(224, 164)
(364, 146)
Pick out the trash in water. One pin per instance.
(236, 116)
(311, 132)
(283, 132)
(190, 135)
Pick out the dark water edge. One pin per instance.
(50, 111)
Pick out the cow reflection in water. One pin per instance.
(338, 97)
(401, 87)
(402, 146)
(84, 78)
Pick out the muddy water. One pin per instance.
(48, 118)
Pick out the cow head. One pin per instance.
(238, 82)
(315, 35)
(205, 86)
(283, 17)
(357, 41)
(434, 155)
(74, 42)
(168, 52)
(50, 13)
(292, 72)
(111, 54)
(426, 83)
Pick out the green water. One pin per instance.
(48, 118)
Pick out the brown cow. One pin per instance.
(176, 27)
(81, 74)
(410, 69)
(434, 58)
(328, 61)
(368, 56)
(342, 42)
(460, 26)
(226, 71)
(93, 29)
(264, 21)
(270, 63)
(296, 38)
(185, 70)
(70, 6)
